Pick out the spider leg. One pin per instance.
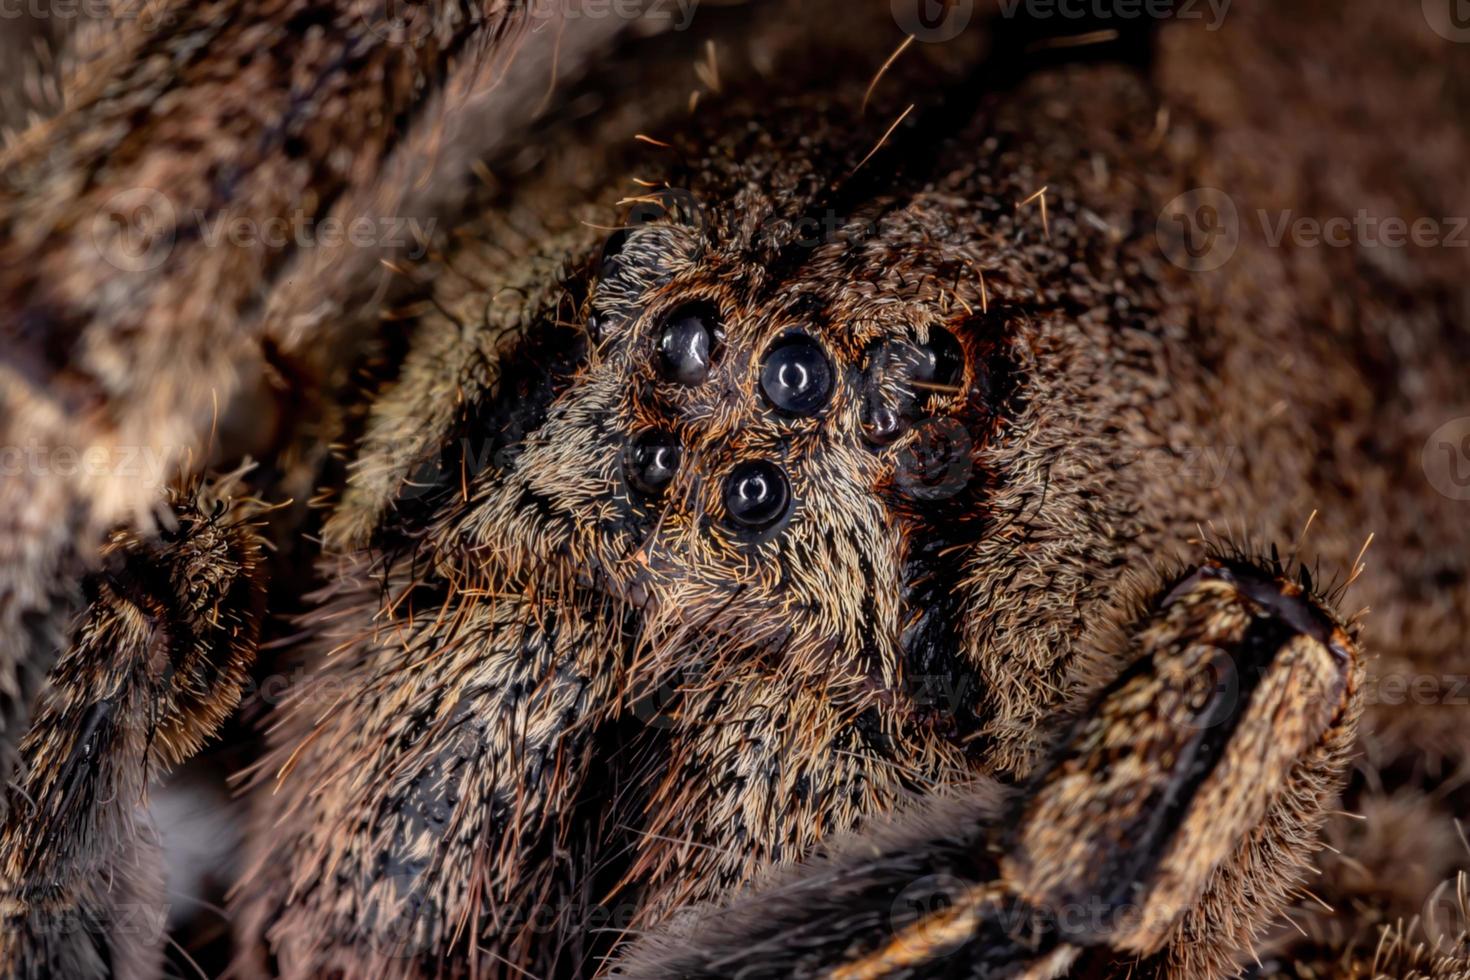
(418, 803)
(202, 249)
(159, 659)
(426, 773)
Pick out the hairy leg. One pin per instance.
(1168, 829)
(159, 660)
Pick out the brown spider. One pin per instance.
(829, 526)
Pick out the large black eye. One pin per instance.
(686, 343)
(757, 494)
(940, 362)
(651, 460)
(796, 375)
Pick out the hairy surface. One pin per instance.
(157, 664)
(574, 700)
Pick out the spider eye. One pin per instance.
(651, 461)
(796, 375)
(757, 494)
(882, 423)
(686, 344)
(939, 362)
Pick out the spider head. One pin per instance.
(774, 458)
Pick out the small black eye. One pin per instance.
(882, 423)
(940, 362)
(796, 375)
(651, 460)
(888, 400)
(757, 494)
(686, 343)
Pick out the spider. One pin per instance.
(840, 524)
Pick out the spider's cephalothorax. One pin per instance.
(762, 462)
(709, 553)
